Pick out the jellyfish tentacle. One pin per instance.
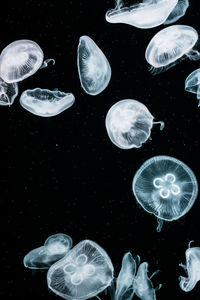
(161, 123)
(160, 225)
(46, 63)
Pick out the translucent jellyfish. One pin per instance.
(171, 45)
(46, 103)
(55, 248)
(93, 67)
(129, 123)
(192, 84)
(178, 11)
(192, 269)
(20, 60)
(166, 187)
(8, 92)
(147, 14)
(83, 273)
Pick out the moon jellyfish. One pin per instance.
(20, 60)
(178, 11)
(83, 273)
(46, 103)
(129, 124)
(93, 67)
(8, 92)
(170, 45)
(192, 84)
(147, 14)
(55, 248)
(192, 269)
(166, 187)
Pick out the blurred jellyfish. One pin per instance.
(192, 84)
(20, 60)
(55, 248)
(178, 11)
(8, 92)
(93, 67)
(129, 123)
(83, 273)
(166, 187)
(147, 14)
(192, 269)
(46, 103)
(170, 45)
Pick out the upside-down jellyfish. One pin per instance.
(55, 248)
(147, 14)
(93, 67)
(46, 103)
(8, 92)
(166, 187)
(129, 123)
(83, 273)
(192, 84)
(178, 11)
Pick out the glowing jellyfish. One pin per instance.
(166, 187)
(170, 45)
(20, 60)
(55, 248)
(93, 67)
(178, 11)
(83, 273)
(192, 268)
(147, 14)
(192, 84)
(8, 92)
(46, 103)
(129, 123)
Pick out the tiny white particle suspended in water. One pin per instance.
(8, 92)
(192, 83)
(93, 67)
(178, 11)
(46, 103)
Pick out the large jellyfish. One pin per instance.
(20, 60)
(166, 187)
(171, 44)
(93, 67)
(178, 11)
(147, 14)
(192, 268)
(8, 92)
(129, 123)
(55, 248)
(46, 103)
(83, 273)
(192, 84)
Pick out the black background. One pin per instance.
(63, 174)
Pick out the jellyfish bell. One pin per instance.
(129, 123)
(192, 83)
(58, 243)
(178, 12)
(166, 187)
(8, 92)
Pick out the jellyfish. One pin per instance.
(55, 248)
(147, 14)
(83, 273)
(192, 84)
(46, 103)
(93, 67)
(192, 269)
(8, 92)
(20, 60)
(129, 123)
(178, 11)
(171, 45)
(166, 187)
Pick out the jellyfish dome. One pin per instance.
(83, 273)
(166, 187)
(192, 84)
(147, 14)
(46, 103)
(129, 123)
(178, 11)
(20, 60)
(8, 92)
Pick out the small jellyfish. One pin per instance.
(46, 103)
(55, 248)
(93, 67)
(129, 123)
(192, 84)
(147, 14)
(166, 187)
(171, 45)
(8, 92)
(178, 11)
(83, 273)
(192, 269)
(20, 60)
